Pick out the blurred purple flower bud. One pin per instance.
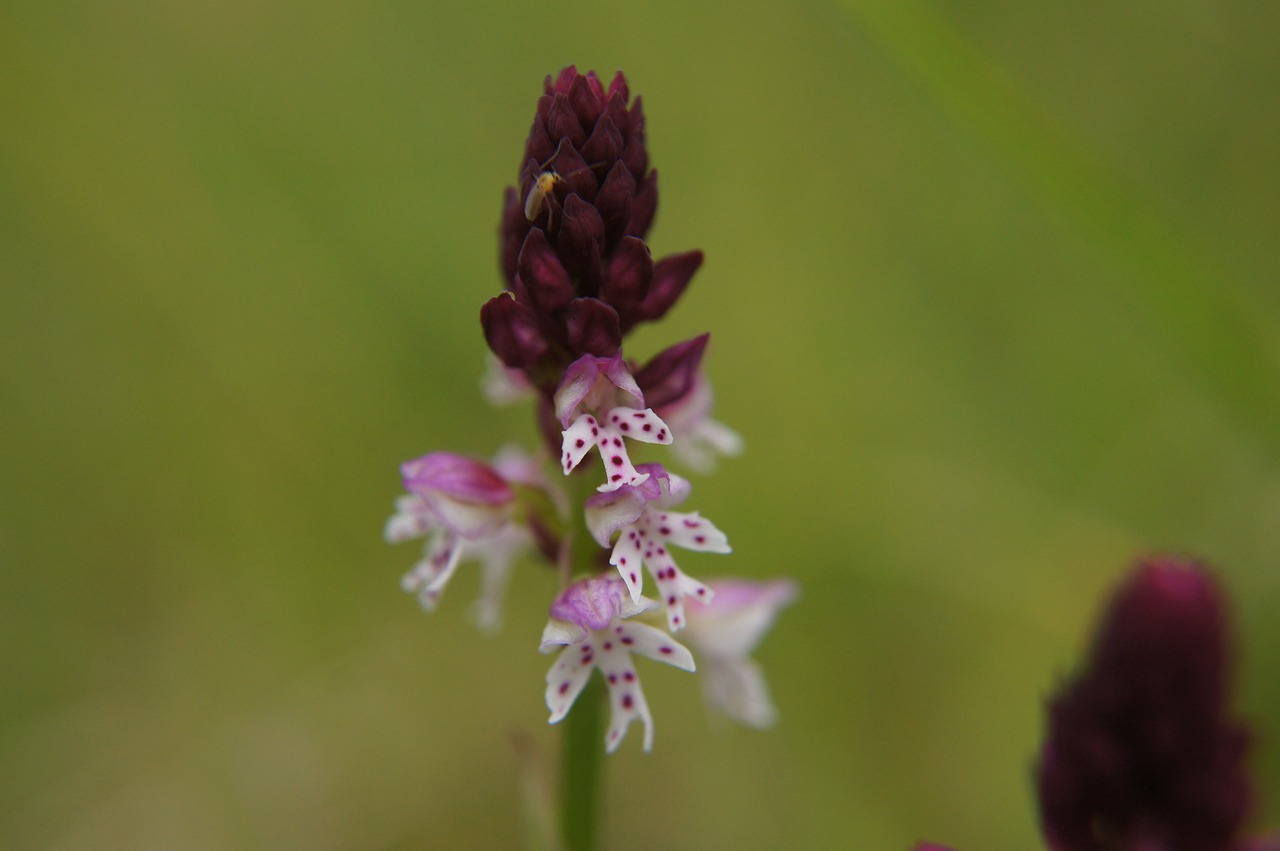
(1141, 752)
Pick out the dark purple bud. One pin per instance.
(614, 201)
(512, 331)
(1141, 751)
(544, 278)
(540, 146)
(605, 143)
(575, 175)
(593, 328)
(636, 153)
(512, 233)
(618, 86)
(562, 122)
(587, 99)
(582, 240)
(644, 205)
(627, 276)
(671, 275)
(672, 373)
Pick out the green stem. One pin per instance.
(581, 781)
(582, 770)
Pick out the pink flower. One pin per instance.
(466, 507)
(724, 634)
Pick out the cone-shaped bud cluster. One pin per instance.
(578, 273)
(1141, 751)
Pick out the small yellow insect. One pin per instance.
(543, 185)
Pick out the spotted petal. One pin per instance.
(655, 644)
(566, 680)
(644, 426)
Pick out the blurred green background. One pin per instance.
(992, 289)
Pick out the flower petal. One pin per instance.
(691, 531)
(737, 688)
(644, 426)
(655, 644)
(577, 442)
(626, 698)
(565, 681)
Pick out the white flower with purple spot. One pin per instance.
(646, 530)
(725, 633)
(466, 507)
(589, 620)
(700, 438)
(599, 405)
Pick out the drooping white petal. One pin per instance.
(429, 577)
(626, 699)
(628, 557)
(412, 520)
(689, 530)
(566, 680)
(737, 688)
(578, 440)
(497, 555)
(655, 644)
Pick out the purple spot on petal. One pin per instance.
(671, 601)
(617, 460)
(615, 477)
(665, 530)
(699, 539)
(702, 592)
(625, 427)
(647, 427)
(627, 701)
(627, 640)
(633, 578)
(564, 686)
(629, 677)
(613, 678)
(579, 443)
(665, 651)
(608, 645)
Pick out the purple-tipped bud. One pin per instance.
(672, 374)
(671, 275)
(1141, 752)
(512, 331)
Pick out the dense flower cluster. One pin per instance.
(1142, 753)
(578, 277)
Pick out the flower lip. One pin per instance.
(456, 477)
